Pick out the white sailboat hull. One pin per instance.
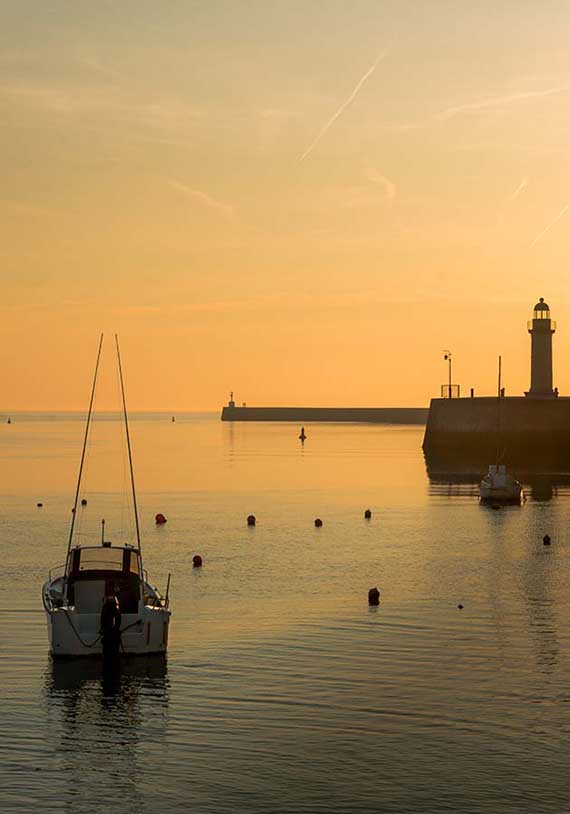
(78, 634)
(74, 633)
(500, 487)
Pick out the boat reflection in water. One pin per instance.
(453, 474)
(105, 720)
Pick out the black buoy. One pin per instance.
(251, 520)
(546, 539)
(160, 519)
(196, 561)
(318, 522)
(373, 596)
(367, 514)
(460, 607)
(84, 502)
(39, 505)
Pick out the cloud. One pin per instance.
(388, 187)
(161, 112)
(203, 199)
(324, 129)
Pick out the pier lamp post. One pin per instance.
(447, 357)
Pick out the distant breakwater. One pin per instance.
(356, 415)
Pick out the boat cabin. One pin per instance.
(98, 571)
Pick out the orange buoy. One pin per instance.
(159, 519)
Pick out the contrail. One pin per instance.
(551, 224)
(521, 187)
(499, 101)
(343, 107)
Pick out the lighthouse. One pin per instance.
(541, 328)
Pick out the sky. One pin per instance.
(302, 202)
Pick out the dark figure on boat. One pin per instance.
(110, 625)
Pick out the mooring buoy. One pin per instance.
(318, 522)
(251, 520)
(373, 596)
(367, 514)
(546, 539)
(196, 561)
(160, 519)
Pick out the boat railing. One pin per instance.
(56, 571)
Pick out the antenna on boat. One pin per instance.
(128, 445)
(87, 425)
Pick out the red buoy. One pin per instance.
(160, 519)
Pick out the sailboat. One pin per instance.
(498, 485)
(92, 577)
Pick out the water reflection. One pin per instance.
(452, 476)
(101, 718)
(538, 582)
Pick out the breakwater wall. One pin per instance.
(522, 430)
(304, 415)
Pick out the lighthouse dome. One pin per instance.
(541, 305)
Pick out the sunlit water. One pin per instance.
(283, 691)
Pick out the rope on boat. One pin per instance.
(100, 636)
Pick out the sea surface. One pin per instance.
(283, 691)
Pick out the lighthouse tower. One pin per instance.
(541, 329)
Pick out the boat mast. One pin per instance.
(499, 412)
(87, 425)
(129, 446)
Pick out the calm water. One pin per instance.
(283, 691)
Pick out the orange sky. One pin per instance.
(301, 202)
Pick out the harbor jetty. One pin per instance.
(530, 428)
(304, 415)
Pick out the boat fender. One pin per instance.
(373, 596)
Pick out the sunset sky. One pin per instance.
(305, 202)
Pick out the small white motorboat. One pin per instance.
(100, 600)
(499, 486)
